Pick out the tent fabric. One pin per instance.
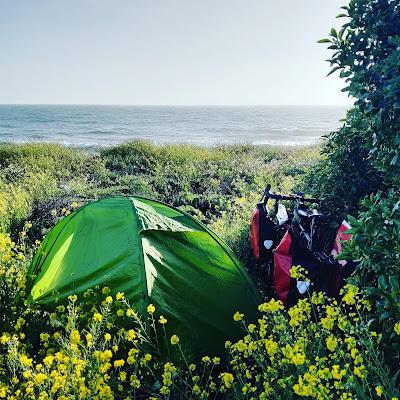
(155, 254)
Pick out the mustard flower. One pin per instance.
(97, 317)
(151, 309)
(109, 299)
(40, 378)
(337, 373)
(272, 306)
(75, 336)
(73, 298)
(174, 340)
(238, 317)
(131, 334)
(4, 338)
(227, 379)
(119, 296)
(331, 343)
(25, 360)
(119, 363)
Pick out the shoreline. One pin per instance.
(89, 148)
(104, 126)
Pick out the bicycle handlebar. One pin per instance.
(299, 196)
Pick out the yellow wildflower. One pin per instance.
(272, 306)
(174, 340)
(73, 298)
(298, 359)
(331, 343)
(25, 360)
(350, 293)
(4, 338)
(131, 334)
(238, 317)
(75, 336)
(227, 379)
(151, 309)
(40, 378)
(119, 363)
(119, 296)
(97, 317)
(337, 373)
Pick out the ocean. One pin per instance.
(92, 126)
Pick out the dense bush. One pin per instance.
(217, 185)
(376, 248)
(367, 54)
(345, 175)
(32, 175)
(366, 150)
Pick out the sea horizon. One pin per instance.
(85, 125)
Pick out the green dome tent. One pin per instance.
(155, 254)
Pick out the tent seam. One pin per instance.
(145, 289)
(216, 238)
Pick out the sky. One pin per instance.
(167, 52)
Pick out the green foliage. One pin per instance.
(364, 155)
(367, 54)
(217, 185)
(202, 179)
(31, 175)
(345, 175)
(376, 247)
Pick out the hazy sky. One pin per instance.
(167, 52)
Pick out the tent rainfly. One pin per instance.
(155, 254)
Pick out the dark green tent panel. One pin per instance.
(154, 254)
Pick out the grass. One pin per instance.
(218, 185)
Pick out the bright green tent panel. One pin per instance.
(153, 253)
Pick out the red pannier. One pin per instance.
(283, 262)
(282, 265)
(262, 234)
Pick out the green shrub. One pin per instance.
(376, 248)
(367, 54)
(34, 174)
(345, 175)
(39, 182)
